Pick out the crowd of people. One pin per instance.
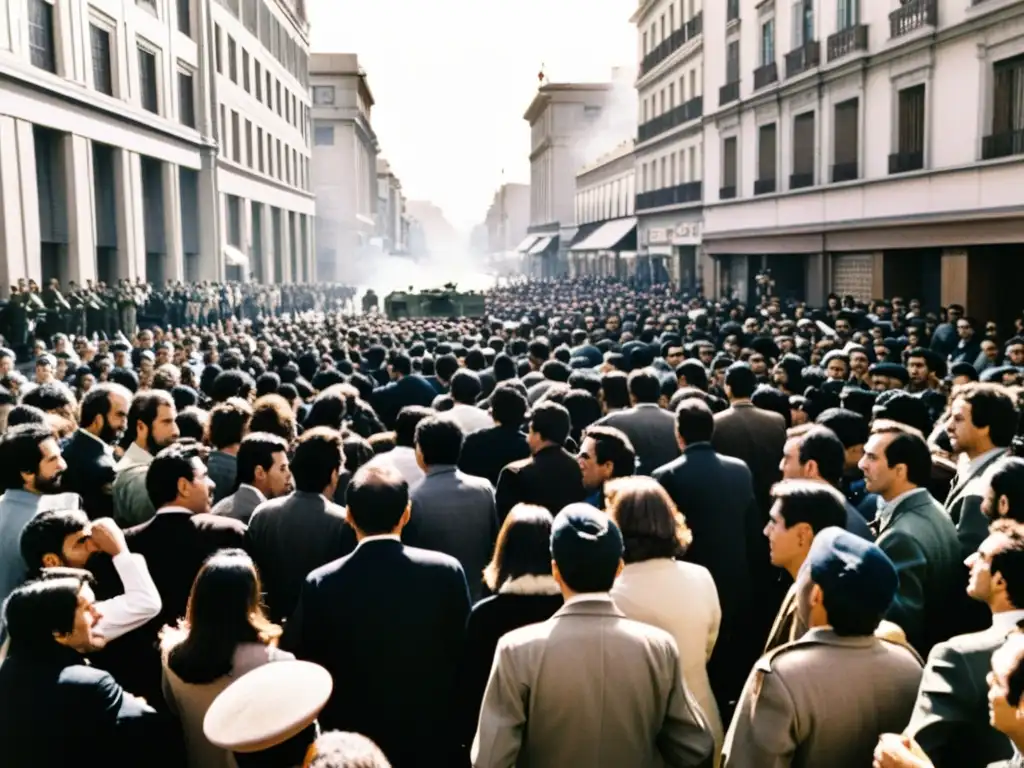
(604, 525)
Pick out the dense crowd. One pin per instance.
(605, 525)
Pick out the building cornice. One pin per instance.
(550, 92)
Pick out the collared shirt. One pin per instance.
(403, 460)
(585, 596)
(134, 456)
(977, 462)
(1006, 620)
(886, 508)
(378, 537)
(469, 417)
(139, 603)
(170, 508)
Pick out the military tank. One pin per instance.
(438, 303)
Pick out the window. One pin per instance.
(803, 151)
(186, 99)
(280, 163)
(248, 144)
(729, 168)
(1008, 98)
(102, 77)
(250, 13)
(217, 50)
(277, 96)
(258, 80)
(768, 42)
(147, 81)
(232, 60)
(149, 5)
(732, 62)
(40, 35)
(236, 137)
(245, 70)
(845, 139)
(234, 233)
(185, 17)
(766, 150)
(270, 92)
(694, 168)
(323, 135)
(223, 132)
(803, 23)
(847, 14)
(909, 131)
(323, 94)
(259, 149)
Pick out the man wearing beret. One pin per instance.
(826, 698)
(589, 686)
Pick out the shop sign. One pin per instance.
(687, 233)
(660, 235)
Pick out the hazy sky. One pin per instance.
(452, 79)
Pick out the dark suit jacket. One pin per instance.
(487, 451)
(90, 474)
(290, 536)
(757, 438)
(652, 430)
(239, 505)
(388, 400)
(963, 504)
(716, 495)
(551, 478)
(387, 622)
(175, 545)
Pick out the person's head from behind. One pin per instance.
(104, 412)
(695, 423)
(341, 749)
(740, 381)
(152, 420)
(586, 550)
(508, 406)
(465, 387)
(274, 414)
(229, 421)
(550, 425)
(405, 425)
(523, 547)
(30, 459)
(1003, 485)
(57, 608)
(644, 386)
(263, 464)
(57, 538)
(896, 459)
(177, 477)
(438, 442)
(651, 525)
(800, 510)
(318, 461)
(378, 501)
(224, 610)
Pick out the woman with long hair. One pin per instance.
(224, 635)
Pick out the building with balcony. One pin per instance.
(871, 149)
(390, 209)
(669, 143)
(259, 74)
(344, 172)
(561, 116)
(605, 241)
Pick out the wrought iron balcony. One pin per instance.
(732, 11)
(845, 172)
(727, 193)
(766, 75)
(764, 186)
(806, 57)
(846, 41)
(729, 92)
(1002, 145)
(912, 15)
(905, 162)
(672, 43)
(801, 180)
(684, 113)
(679, 195)
(695, 26)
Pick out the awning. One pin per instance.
(610, 235)
(540, 246)
(527, 243)
(585, 231)
(234, 257)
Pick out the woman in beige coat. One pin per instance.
(225, 634)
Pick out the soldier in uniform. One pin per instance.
(825, 699)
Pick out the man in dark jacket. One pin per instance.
(89, 451)
(487, 451)
(405, 388)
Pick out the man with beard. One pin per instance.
(30, 469)
(152, 426)
(89, 453)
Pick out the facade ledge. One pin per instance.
(241, 170)
(646, 212)
(685, 129)
(688, 49)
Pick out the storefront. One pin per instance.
(606, 251)
(670, 250)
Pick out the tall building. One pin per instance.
(260, 85)
(669, 143)
(390, 209)
(872, 149)
(508, 219)
(560, 116)
(344, 171)
(605, 243)
(107, 168)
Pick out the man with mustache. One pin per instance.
(89, 453)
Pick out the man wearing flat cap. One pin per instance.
(826, 698)
(589, 686)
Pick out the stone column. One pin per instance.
(286, 248)
(211, 255)
(19, 203)
(174, 245)
(78, 180)
(298, 262)
(310, 250)
(245, 214)
(131, 221)
(954, 277)
(816, 272)
(267, 245)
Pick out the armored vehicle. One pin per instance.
(438, 303)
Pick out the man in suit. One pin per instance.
(175, 543)
(716, 495)
(544, 706)
(487, 451)
(951, 717)
(89, 452)
(452, 512)
(152, 426)
(981, 426)
(229, 423)
(290, 536)
(825, 699)
(405, 388)
(387, 621)
(650, 428)
(551, 477)
(263, 473)
(916, 534)
(753, 435)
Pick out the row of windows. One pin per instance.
(246, 71)
(612, 200)
(672, 169)
(249, 145)
(661, 28)
(664, 100)
(263, 24)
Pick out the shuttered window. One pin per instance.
(766, 151)
(803, 143)
(846, 132)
